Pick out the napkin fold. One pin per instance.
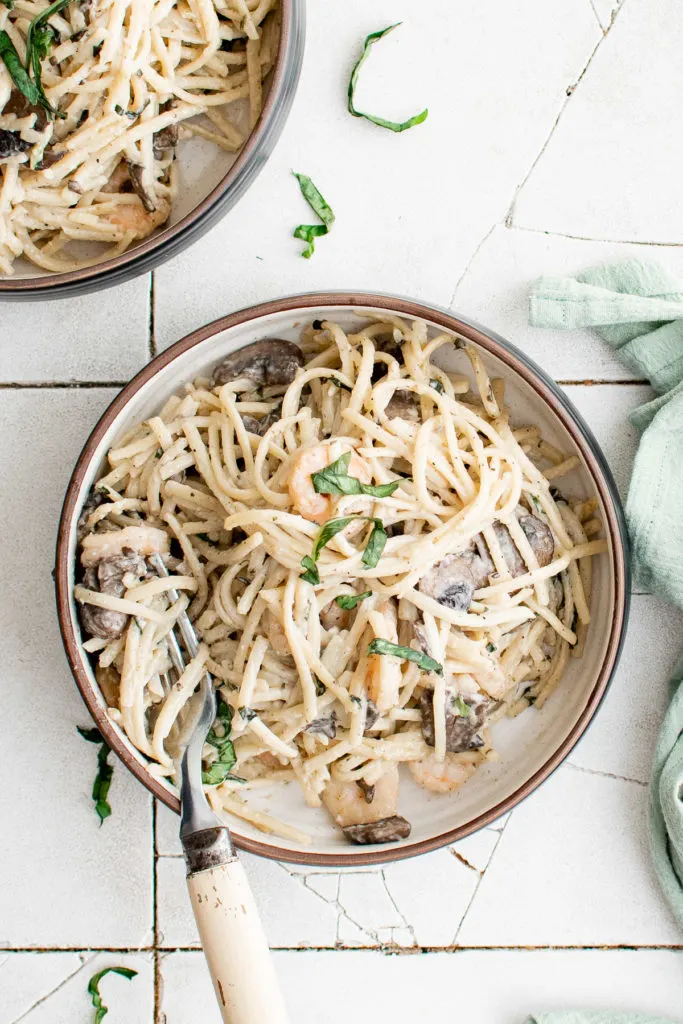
(637, 307)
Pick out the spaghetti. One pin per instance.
(374, 558)
(123, 81)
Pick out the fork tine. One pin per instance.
(186, 628)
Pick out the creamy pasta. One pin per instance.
(378, 565)
(123, 81)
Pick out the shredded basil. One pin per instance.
(463, 709)
(247, 714)
(427, 664)
(17, 71)
(309, 232)
(335, 479)
(319, 686)
(94, 989)
(349, 601)
(219, 770)
(340, 384)
(437, 385)
(490, 648)
(393, 126)
(9, 4)
(375, 546)
(311, 575)
(100, 789)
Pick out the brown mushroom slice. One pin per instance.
(11, 144)
(366, 789)
(136, 174)
(450, 582)
(386, 830)
(540, 537)
(325, 726)
(108, 578)
(405, 405)
(272, 361)
(100, 622)
(462, 730)
(371, 715)
(514, 561)
(164, 140)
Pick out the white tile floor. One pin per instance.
(547, 121)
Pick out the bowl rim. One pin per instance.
(544, 387)
(170, 240)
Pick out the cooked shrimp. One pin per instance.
(348, 805)
(384, 671)
(133, 217)
(305, 498)
(144, 540)
(444, 776)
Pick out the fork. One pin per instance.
(227, 918)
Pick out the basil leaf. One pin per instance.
(17, 71)
(463, 709)
(39, 39)
(393, 126)
(427, 664)
(340, 384)
(309, 232)
(335, 479)
(490, 648)
(349, 601)
(437, 385)
(329, 530)
(9, 4)
(247, 714)
(94, 990)
(319, 686)
(375, 546)
(219, 770)
(105, 771)
(311, 575)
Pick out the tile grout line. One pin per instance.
(155, 912)
(387, 948)
(151, 339)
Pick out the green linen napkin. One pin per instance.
(637, 307)
(577, 1017)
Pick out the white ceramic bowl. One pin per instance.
(530, 746)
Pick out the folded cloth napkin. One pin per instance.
(577, 1017)
(637, 307)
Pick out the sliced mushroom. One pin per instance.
(12, 143)
(462, 730)
(268, 362)
(165, 139)
(386, 830)
(136, 173)
(450, 582)
(326, 726)
(405, 405)
(371, 715)
(93, 501)
(513, 559)
(108, 578)
(540, 538)
(367, 790)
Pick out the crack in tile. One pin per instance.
(588, 238)
(606, 775)
(406, 923)
(470, 261)
(43, 999)
(480, 880)
(597, 16)
(571, 89)
(464, 860)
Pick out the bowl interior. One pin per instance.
(526, 744)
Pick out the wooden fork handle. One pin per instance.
(234, 943)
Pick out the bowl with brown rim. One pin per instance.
(530, 746)
(211, 182)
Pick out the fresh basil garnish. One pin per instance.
(349, 601)
(309, 232)
(335, 479)
(463, 709)
(393, 126)
(437, 385)
(94, 989)
(247, 714)
(311, 575)
(490, 648)
(100, 789)
(375, 546)
(427, 664)
(17, 71)
(340, 384)
(219, 770)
